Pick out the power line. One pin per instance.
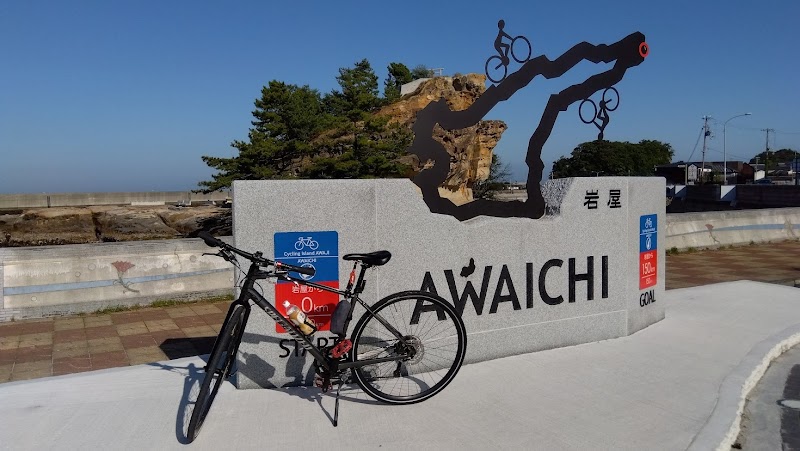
(729, 154)
(755, 129)
(699, 135)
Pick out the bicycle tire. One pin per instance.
(218, 369)
(580, 109)
(443, 350)
(607, 102)
(514, 55)
(492, 69)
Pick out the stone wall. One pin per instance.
(59, 280)
(43, 269)
(571, 277)
(722, 228)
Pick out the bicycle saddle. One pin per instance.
(376, 258)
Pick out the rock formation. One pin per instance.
(75, 225)
(471, 148)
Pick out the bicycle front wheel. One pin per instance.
(435, 345)
(219, 366)
(521, 49)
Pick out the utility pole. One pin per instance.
(766, 150)
(796, 169)
(706, 134)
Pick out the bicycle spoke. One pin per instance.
(435, 347)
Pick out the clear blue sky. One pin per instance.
(127, 96)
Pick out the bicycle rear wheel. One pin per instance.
(218, 369)
(436, 342)
(493, 69)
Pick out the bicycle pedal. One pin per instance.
(341, 348)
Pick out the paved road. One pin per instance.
(677, 384)
(771, 418)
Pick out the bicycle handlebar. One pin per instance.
(214, 242)
(210, 240)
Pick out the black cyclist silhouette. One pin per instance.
(626, 53)
(519, 47)
(501, 47)
(590, 114)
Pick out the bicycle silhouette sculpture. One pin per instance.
(626, 53)
(520, 49)
(589, 113)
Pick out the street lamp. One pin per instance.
(724, 150)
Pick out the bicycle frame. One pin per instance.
(249, 293)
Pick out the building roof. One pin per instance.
(709, 165)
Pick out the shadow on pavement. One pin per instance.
(177, 348)
(193, 376)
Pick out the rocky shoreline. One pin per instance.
(96, 224)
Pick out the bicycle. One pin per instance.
(394, 355)
(492, 72)
(609, 102)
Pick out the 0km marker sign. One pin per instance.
(648, 251)
(318, 250)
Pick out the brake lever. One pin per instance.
(227, 256)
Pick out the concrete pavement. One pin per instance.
(679, 384)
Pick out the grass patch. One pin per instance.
(673, 251)
(161, 303)
(114, 309)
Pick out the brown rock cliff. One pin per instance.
(471, 148)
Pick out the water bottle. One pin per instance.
(303, 322)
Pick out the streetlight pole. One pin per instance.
(724, 149)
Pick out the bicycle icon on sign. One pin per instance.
(308, 242)
(520, 50)
(609, 102)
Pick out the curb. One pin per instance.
(722, 427)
